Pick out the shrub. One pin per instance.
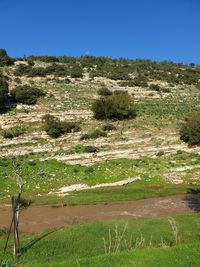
(93, 135)
(97, 133)
(22, 70)
(117, 106)
(5, 60)
(104, 91)
(52, 126)
(55, 128)
(57, 70)
(13, 132)
(118, 74)
(166, 90)
(4, 93)
(154, 87)
(26, 95)
(190, 130)
(76, 72)
(70, 127)
(141, 81)
(90, 149)
(36, 72)
(109, 127)
(130, 83)
(160, 153)
(84, 137)
(28, 70)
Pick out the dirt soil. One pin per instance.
(42, 218)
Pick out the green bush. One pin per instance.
(118, 106)
(190, 130)
(94, 134)
(22, 70)
(104, 91)
(55, 128)
(52, 126)
(26, 94)
(141, 81)
(37, 72)
(109, 127)
(5, 60)
(84, 137)
(57, 70)
(13, 132)
(97, 133)
(76, 72)
(166, 90)
(30, 71)
(118, 74)
(4, 93)
(90, 149)
(154, 87)
(130, 83)
(70, 127)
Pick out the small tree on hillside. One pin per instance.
(190, 130)
(26, 94)
(5, 60)
(118, 106)
(4, 93)
(17, 203)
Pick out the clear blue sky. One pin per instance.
(154, 29)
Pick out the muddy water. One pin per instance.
(41, 218)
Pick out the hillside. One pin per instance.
(66, 155)
(71, 85)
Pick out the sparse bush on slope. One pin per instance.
(97, 133)
(190, 130)
(13, 132)
(5, 60)
(141, 81)
(109, 127)
(26, 94)
(118, 106)
(4, 93)
(55, 128)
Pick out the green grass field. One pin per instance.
(179, 256)
(40, 177)
(115, 243)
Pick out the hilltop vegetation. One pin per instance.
(135, 72)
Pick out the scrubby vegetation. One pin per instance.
(141, 81)
(130, 72)
(4, 93)
(118, 106)
(55, 128)
(5, 60)
(13, 132)
(109, 127)
(104, 91)
(94, 134)
(190, 130)
(26, 94)
(154, 87)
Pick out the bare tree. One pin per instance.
(17, 204)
